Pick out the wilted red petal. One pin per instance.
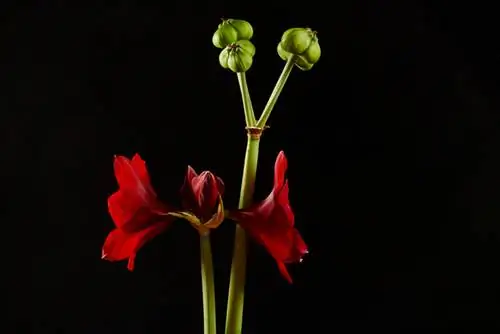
(200, 193)
(190, 174)
(206, 191)
(188, 199)
(120, 245)
(220, 185)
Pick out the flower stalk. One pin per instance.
(207, 284)
(247, 102)
(236, 295)
(261, 123)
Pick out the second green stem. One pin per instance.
(247, 102)
(207, 284)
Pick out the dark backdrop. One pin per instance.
(393, 151)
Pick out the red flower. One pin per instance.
(201, 193)
(271, 222)
(137, 213)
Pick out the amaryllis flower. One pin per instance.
(202, 200)
(136, 211)
(271, 222)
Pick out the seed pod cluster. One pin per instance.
(231, 31)
(303, 44)
(233, 37)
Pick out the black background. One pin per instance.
(393, 155)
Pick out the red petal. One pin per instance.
(220, 185)
(190, 174)
(282, 201)
(187, 195)
(271, 222)
(206, 191)
(279, 241)
(284, 272)
(131, 176)
(120, 245)
(139, 166)
(128, 211)
(288, 248)
(299, 249)
(188, 199)
(280, 168)
(275, 233)
(200, 193)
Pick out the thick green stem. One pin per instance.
(261, 123)
(207, 284)
(236, 294)
(247, 103)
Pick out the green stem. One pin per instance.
(261, 123)
(207, 284)
(247, 102)
(236, 294)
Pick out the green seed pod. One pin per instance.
(289, 31)
(247, 46)
(230, 31)
(223, 36)
(223, 56)
(297, 40)
(244, 29)
(301, 43)
(239, 61)
(282, 53)
(313, 53)
(304, 66)
(300, 61)
(237, 57)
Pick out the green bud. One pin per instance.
(230, 31)
(237, 57)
